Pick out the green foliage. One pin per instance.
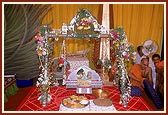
(123, 52)
(107, 63)
(21, 23)
(84, 24)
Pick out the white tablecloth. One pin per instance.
(90, 107)
(76, 62)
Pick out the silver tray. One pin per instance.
(77, 103)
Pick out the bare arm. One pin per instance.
(131, 75)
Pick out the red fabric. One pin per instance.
(136, 71)
(160, 64)
(30, 103)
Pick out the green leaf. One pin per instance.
(21, 23)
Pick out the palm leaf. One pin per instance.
(20, 24)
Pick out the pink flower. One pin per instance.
(40, 43)
(115, 37)
(39, 37)
(112, 32)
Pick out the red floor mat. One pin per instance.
(30, 103)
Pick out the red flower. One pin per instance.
(60, 62)
(118, 33)
(113, 69)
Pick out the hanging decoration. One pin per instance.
(44, 50)
(83, 25)
(64, 62)
(104, 60)
(105, 63)
(123, 52)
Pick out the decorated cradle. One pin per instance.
(88, 80)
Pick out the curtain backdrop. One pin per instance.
(63, 13)
(140, 22)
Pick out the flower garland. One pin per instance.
(123, 52)
(44, 51)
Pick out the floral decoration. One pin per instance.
(85, 25)
(44, 51)
(106, 63)
(123, 52)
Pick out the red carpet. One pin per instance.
(30, 103)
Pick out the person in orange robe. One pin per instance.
(141, 76)
(140, 72)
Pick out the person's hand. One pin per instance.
(142, 86)
(144, 79)
(142, 82)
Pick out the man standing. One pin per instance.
(159, 65)
(139, 55)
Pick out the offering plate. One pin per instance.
(74, 101)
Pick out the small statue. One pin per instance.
(84, 77)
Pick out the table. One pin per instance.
(90, 107)
(77, 61)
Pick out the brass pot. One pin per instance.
(100, 93)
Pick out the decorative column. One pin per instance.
(105, 43)
(44, 53)
(64, 56)
(106, 25)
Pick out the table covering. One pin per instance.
(90, 107)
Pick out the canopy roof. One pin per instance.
(84, 25)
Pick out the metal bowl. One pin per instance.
(100, 93)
